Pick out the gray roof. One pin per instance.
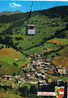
(30, 25)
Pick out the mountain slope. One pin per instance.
(49, 23)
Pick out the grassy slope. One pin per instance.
(61, 60)
(46, 25)
(11, 60)
(46, 47)
(59, 41)
(4, 94)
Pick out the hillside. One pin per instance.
(25, 60)
(50, 24)
(20, 19)
(11, 61)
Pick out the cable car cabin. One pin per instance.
(31, 30)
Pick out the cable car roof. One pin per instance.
(30, 25)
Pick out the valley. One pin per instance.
(28, 61)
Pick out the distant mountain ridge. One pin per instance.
(60, 10)
(55, 11)
(51, 12)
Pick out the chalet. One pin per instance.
(7, 77)
(42, 82)
(47, 63)
(62, 70)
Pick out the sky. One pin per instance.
(25, 5)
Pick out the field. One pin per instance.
(64, 52)
(14, 59)
(61, 60)
(54, 78)
(45, 48)
(11, 61)
(4, 94)
(59, 41)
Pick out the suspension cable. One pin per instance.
(31, 9)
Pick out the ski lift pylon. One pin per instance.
(30, 28)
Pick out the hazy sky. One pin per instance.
(17, 5)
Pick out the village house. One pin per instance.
(47, 63)
(42, 82)
(7, 77)
(39, 61)
(34, 82)
(50, 72)
(17, 76)
(62, 71)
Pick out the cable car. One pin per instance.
(31, 29)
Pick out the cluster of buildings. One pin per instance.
(39, 69)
